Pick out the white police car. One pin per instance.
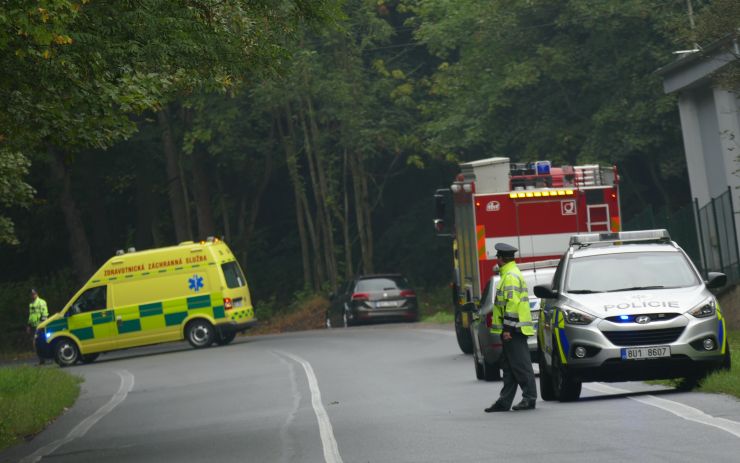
(627, 306)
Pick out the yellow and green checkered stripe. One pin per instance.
(143, 317)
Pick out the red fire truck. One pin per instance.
(535, 207)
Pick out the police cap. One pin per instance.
(505, 250)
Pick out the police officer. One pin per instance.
(513, 321)
(37, 313)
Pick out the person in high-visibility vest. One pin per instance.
(37, 313)
(513, 321)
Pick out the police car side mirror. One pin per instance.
(545, 292)
(716, 280)
(469, 307)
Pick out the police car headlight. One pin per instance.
(705, 309)
(576, 317)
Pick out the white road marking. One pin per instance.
(681, 410)
(331, 450)
(127, 383)
(288, 452)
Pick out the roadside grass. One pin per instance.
(435, 305)
(721, 382)
(726, 382)
(32, 397)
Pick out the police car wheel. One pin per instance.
(565, 388)
(727, 362)
(547, 392)
(200, 333)
(66, 352)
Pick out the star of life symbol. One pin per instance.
(195, 283)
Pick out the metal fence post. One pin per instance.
(734, 228)
(702, 251)
(716, 230)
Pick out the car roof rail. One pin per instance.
(639, 236)
(537, 264)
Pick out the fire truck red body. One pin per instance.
(534, 207)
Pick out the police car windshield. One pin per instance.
(629, 271)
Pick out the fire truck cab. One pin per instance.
(535, 207)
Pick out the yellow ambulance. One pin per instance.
(195, 291)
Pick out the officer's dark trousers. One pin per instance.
(517, 366)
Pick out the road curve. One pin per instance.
(383, 393)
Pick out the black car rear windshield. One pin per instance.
(233, 274)
(382, 284)
(630, 270)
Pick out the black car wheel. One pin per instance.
(491, 371)
(546, 382)
(566, 389)
(478, 365)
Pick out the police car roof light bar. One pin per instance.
(628, 236)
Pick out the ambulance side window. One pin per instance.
(89, 301)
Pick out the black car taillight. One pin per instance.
(408, 293)
(360, 297)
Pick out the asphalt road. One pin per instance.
(385, 393)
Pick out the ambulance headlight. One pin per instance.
(576, 317)
(705, 309)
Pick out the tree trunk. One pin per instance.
(306, 229)
(202, 194)
(326, 194)
(222, 204)
(174, 180)
(323, 220)
(144, 236)
(362, 212)
(348, 261)
(79, 246)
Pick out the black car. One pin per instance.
(370, 298)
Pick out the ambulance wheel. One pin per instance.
(547, 392)
(464, 338)
(66, 352)
(225, 338)
(565, 388)
(89, 358)
(200, 333)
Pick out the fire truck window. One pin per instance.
(595, 196)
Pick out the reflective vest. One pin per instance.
(511, 306)
(37, 312)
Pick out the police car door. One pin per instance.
(547, 322)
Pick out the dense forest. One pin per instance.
(311, 134)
